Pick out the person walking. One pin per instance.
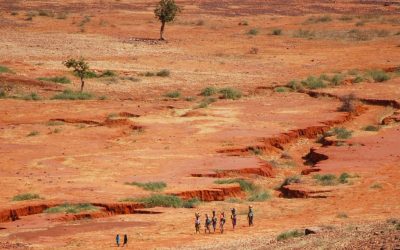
(233, 218)
(197, 222)
(250, 216)
(207, 224)
(214, 220)
(125, 240)
(117, 240)
(222, 222)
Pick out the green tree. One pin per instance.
(80, 67)
(166, 11)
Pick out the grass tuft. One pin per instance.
(71, 208)
(173, 94)
(325, 179)
(25, 197)
(230, 93)
(290, 234)
(4, 69)
(253, 32)
(313, 82)
(33, 133)
(163, 73)
(161, 200)
(379, 75)
(209, 91)
(371, 128)
(276, 32)
(150, 186)
(72, 95)
(56, 79)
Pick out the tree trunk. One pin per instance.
(82, 84)
(162, 31)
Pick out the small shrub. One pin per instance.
(325, 179)
(343, 178)
(62, 15)
(290, 234)
(342, 133)
(25, 197)
(348, 103)
(88, 74)
(3, 94)
(337, 79)
(376, 186)
(4, 69)
(342, 215)
(56, 79)
(304, 34)
(325, 77)
(379, 75)
(290, 180)
(294, 85)
(150, 186)
(72, 95)
(149, 74)
(205, 102)
(71, 208)
(173, 94)
(45, 13)
(14, 13)
(192, 203)
(33, 133)
(281, 89)
(358, 79)
(103, 97)
(360, 23)
(313, 83)
(31, 97)
(230, 93)
(161, 200)
(259, 196)
(276, 32)
(55, 123)
(163, 73)
(108, 73)
(246, 186)
(371, 128)
(253, 32)
(208, 91)
(256, 150)
(345, 18)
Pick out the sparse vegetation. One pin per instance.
(259, 196)
(379, 75)
(205, 102)
(254, 192)
(340, 133)
(33, 133)
(289, 180)
(209, 91)
(307, 34)
(256, 150)
(253, 32)
(371, 128)
(56, 79)
(325, 179)
(161, 200)
(337, 79)
(166, 12)
(4, 69)
(71, 208)
(343, 178)
(313, 82)
(72, 95)
(281, 89)
(108, 73)
(294, 85)
(173, 94)
(376, 186)
(276, 32)
(163, 73)
(348, 103)
(192, 203)
(25, 197)
(342, 215)
(230, 93)
(290, 234)
(150, 186)
(31, 97)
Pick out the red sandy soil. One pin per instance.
(138, 134)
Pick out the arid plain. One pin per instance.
(297, 99)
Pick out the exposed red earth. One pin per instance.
(86, 151)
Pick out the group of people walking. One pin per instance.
(214, 220)
(117, 240)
